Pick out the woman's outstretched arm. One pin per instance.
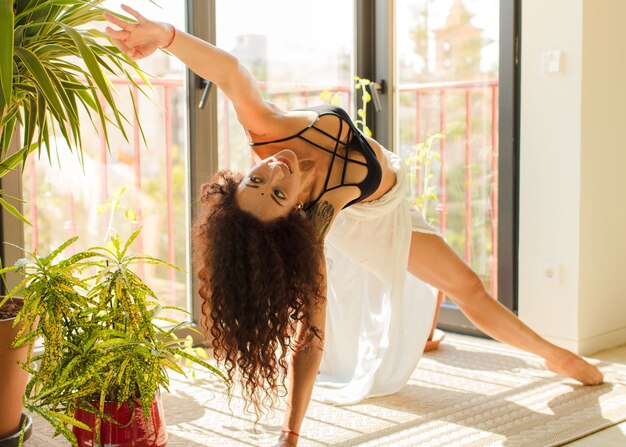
(141, 39)
(302, 371)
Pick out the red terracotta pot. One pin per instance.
(133, 429)
(13, 379)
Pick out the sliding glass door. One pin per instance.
(449, 95)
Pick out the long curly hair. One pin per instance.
(258, 280)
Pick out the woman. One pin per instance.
(263, 270)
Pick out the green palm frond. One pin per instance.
(51, 68)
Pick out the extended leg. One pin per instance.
(433, 261)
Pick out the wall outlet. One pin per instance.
(551, 273)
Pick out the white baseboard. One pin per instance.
(609, 340)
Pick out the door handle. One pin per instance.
(206, 86)
(376, 89)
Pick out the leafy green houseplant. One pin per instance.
(52, 66)
(104, 336)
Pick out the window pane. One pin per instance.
(66, 201)
(448, 72)
(291, 52)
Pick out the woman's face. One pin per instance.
(270, 189)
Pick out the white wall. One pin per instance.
(571, 155)
(603, 172)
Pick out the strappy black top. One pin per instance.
(355, 141)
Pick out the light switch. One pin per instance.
(552, 62)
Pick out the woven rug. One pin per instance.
(469, 393)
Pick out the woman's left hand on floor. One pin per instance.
(284, 443)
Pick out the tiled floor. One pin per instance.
(613, 436)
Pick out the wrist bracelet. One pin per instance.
(289, 432)
(172, 39)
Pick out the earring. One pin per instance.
(300, 209)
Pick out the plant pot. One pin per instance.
(14, 439)
(13, 379)
(132, 430)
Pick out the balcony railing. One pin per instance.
(442, 90)
(168, 87)
(306, 94)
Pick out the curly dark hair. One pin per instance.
(257, 281)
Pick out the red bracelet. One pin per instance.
(172, 40)
(289, 432)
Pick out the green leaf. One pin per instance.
(62, 247)
(40, 76)
(8, 126)
(119, 192)
(14, 211)
(130, 215)
(130, 240)
(96, 72)
(200, 362)
(6, 53)
(51, 417)
(325, 95)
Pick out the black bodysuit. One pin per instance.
(355, 141)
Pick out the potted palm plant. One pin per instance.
(52, 66)
(107, 352)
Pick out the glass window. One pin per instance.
(291, 52)
(148, 178)
(447, 61)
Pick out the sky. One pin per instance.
(322, 23)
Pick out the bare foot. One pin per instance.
(571, 365)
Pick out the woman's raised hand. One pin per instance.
(138, 39)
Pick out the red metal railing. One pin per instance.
(305, 93)
(168, 85)
(443, 90)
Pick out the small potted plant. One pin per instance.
(107, 350)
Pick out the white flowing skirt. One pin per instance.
(378, 315)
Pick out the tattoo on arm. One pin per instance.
(322, 215)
